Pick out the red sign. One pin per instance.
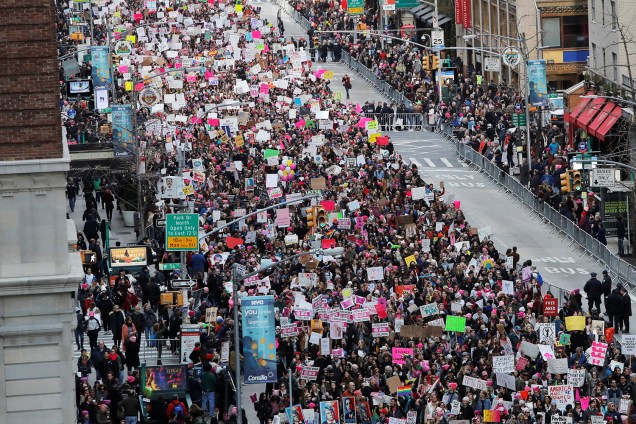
(550, 306)
(466, 12)
(459, 12)
(399, 290)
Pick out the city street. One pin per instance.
(485, 204)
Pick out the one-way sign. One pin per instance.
(603, 177)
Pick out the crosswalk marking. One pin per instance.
(430, 163)
(446, 162)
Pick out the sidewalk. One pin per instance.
(118, 232)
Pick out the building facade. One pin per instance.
(39, 268)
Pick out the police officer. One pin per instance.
(594, 289)
(607, 286)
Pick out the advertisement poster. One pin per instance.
(122, 130)
(538, 83)
(128, 256)
(259, 340)
(329, 412)
(101, 67)
(190, 334)
(167, 377)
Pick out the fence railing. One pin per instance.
(357, 67)
(621, 270)
(399, 121)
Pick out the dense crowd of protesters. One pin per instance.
(407, 244)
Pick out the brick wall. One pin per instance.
(30, 125)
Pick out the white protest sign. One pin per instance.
(576, 378)
(475, 383)
(503, 364)
(628, 345)
(375, 273)
(558, 366)
(546, 352)
(562, 394)
(506, 380)
(547, 333)
(429, 309)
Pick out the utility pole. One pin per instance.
(438, 53)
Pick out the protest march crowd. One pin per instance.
(419, 319)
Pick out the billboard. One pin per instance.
(122, 130)
(126, 257)
(101, 67)
(259, 340)
(538, 83)
(164, 379)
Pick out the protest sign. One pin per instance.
(455, 324)
(531, 350)
(429, 309)
(558, 366)
(506, 380)
(597, 355)
(380, 329)
(576, 378)
(491, 416)
(309, 373)
(475, 383)
(628, 346)
(562, 394)
(575, 323)
(503, 364)
(398, 354)
(550, 306)
(547, 332)
(375, 273)
(546, 352)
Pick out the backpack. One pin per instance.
(178, 411)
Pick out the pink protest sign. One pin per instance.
(398, 354)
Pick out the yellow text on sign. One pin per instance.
(182, 243)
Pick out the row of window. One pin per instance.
(614, 65)
(612, 17)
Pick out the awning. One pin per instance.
(425, 14)
(578, 109)
(609, 122)
(584, 119)
(600, 118)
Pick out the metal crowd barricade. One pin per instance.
(619, 269)
(399, 121)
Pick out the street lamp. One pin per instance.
(236, 280)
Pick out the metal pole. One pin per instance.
(237, 353)
(524, 53)
(291, 394)
(110, 61)
(438, 53)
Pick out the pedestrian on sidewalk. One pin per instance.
(71, 194)
(594, 290)
(109, 202)
(626, 308)
(620, 234)
(346, 82)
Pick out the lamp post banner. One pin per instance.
(259, 340)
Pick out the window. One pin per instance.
(615, 66)
(604, 64)
(603, 11)
(593, 62)
(551, 32)
(613, 15)
(575, 31)
(593, 11)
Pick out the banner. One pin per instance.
(259, 340)
(538, 83)
(190, 334)
(459, 12)
(466, 6)
(101, 67)
(123, 140)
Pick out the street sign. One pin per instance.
(603, 177)
(169, 266)
(182, 232)
(519, 119)
(355, 7)
(437, 39)
(511, 57)
(388, 5)
(435, 20)
(582, 146)
(182, 284)
(492, 64)
(159, 222)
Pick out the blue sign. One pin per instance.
(101, 67)
(538, 83)
(583, 146)
(259, 340)
(123, 136)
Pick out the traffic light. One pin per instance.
(321, 216)
(577, 180)
(435, 62)
(311, 217)
(426, 62)
(565, 182)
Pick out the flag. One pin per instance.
(404, 391)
